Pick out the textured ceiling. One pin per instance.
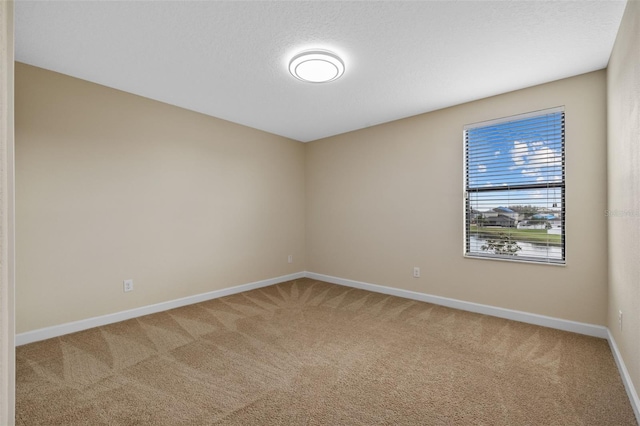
(229, 59)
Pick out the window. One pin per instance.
(515, 187)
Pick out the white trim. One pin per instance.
(513, 259)
(545, 321)
(7, 214)
(542, 320)
(72, 327)
(624, 374)
(516, 117)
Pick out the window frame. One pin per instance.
(561, 186)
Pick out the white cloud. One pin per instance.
(537, 143)
(497, 153)
(519, 152)
(546, 155)
(482, 168)
(530, 172)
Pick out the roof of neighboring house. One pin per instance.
(503, 210)
(543, 216)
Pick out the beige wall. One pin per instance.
(7, 332)
(387, 198)
(112, 186)
(623, 78)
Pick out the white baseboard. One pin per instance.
(551, 322)
(72, 327)
(545, 321)
(624, 374)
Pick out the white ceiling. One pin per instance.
(229, 59)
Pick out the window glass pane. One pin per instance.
(515, 189)
(517, 223)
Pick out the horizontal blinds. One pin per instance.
(515, 180)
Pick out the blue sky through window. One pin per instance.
(510, 155)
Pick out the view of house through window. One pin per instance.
(514, 188)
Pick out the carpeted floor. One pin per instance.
(311, 353)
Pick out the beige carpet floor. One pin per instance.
(310, 353)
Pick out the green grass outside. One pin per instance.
(524, 235)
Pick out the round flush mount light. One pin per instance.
(316, 66)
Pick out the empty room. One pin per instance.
(320, 213)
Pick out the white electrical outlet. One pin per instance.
(620, 319)
(128, 285)
(416, 272)
(290, 258)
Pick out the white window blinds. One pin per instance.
(515, 187)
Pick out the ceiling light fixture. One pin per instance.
(316, 66)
